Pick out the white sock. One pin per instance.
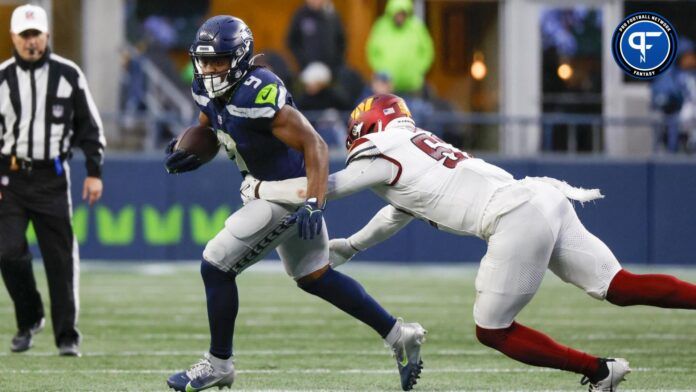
(395, 333)
(221, 365)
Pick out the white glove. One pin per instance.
(340, 251)
(247, 190)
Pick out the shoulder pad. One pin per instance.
(260, 94)
(362, 148)
(264, 74)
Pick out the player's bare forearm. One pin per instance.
(293, 129)
(317, 165)
(203, 119)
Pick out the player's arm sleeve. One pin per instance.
(89, 131)
(360, 174)
(387, 222)
(291, 191)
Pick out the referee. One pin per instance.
(45, 109)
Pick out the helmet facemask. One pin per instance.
(218, 83)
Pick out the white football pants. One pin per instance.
(254, 228)
(543, 232)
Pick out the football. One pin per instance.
(200, 141)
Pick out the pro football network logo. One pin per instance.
(644, 45)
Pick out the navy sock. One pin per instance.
(349, 296)
(223, 304)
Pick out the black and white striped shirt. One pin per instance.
(46, 109)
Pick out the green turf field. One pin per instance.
(141, 323)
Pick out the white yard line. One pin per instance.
(322, 371)
(262, 353)
(247, 322)
(643, 336)
(164, 353)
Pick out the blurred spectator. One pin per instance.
(674, 94)
(148, 112)
(400, 45)
(318, 93)
(316, 34)
(160, 30)
(159, 36)
(381, 83)
(322, 103)
(350, 83)
(421, 109)
(134, 82)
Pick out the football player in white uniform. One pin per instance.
(530, 225)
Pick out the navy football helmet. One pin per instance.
(225, 44)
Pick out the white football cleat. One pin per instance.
(407, 353)
(202, 375)
(618, 368)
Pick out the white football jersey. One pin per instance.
(435, 181)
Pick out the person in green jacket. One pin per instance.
(400, 45)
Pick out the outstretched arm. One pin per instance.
(387, 222)
(360, 174)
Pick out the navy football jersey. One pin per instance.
(243, 125)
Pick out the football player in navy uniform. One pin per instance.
(254, 118)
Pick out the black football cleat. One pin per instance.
(23, 340)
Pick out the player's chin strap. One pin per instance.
(253, 58)
(573, 193)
